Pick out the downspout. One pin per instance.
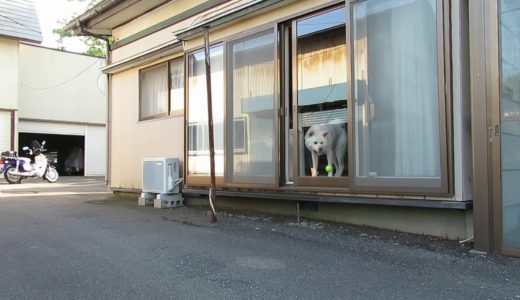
(212, 189)
(108, 177)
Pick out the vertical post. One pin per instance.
(479, 35)
(212, 193)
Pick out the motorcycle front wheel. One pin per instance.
(51, 175)
(10, 177)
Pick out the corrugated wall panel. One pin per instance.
(51, 128)
(5, 130)
(95, 151)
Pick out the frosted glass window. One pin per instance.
(396, 94)
(153, 93)
(510, 121)
(198, 134)
(251, 118)
(177, 85)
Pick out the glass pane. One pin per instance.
(396, 101)
(321, 64)
(177, 84)
(510, 121)
(198, 136)
(251, 104)
(153, 93)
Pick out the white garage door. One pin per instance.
(95, 141)
(51, 128)
(5, 131)
(95, 151)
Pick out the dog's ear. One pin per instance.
(310, 133)
(325, 133)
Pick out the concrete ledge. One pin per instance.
(459, 205)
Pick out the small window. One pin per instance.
(153, 95)
(154, 99)
(177, 86)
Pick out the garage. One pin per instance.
(75, 149)
(5, 130)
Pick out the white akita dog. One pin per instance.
(329, 139)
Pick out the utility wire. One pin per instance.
(62, 83)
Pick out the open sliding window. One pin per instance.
(197, 116)
(154, 83)
(399, 98)
(319, 80)
(251, 136)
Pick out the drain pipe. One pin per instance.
(212, 192)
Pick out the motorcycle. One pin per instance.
(6, 157)
(34, 165)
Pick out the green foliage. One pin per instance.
(95, 46)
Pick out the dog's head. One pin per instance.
(317, 141)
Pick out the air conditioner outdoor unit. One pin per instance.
(161, 175)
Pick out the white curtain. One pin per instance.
(154, 91)
(402, 127)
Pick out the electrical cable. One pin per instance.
(61, 83)
(23, 25)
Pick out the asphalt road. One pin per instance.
(72, 240)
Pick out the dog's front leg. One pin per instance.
(330, 161)
(314, 169)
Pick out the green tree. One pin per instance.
(95, 45)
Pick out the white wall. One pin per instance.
(8, 73)
(61, 86)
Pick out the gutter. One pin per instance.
(92, 12)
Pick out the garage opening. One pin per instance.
(65, 152)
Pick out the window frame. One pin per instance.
(347, 184)
(342, 182)
(253, 181)
(192, 179)
(169, 111)
(414, 186)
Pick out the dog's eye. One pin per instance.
(315, 143)
(321, 143)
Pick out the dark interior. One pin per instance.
(59, 149)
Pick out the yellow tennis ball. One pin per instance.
(328, 168)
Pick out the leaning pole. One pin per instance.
(212, 193)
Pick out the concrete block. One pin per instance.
(168, 201)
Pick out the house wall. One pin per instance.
(61, 86)
(132, 140)
(165, 36)
(157, 15)
(462, 166)
(9, 73)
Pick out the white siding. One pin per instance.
(5, 131)
(95, 151)
(61, 86)
(51, 128)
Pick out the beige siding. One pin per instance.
(166, 36)
(71, 86)
(8, 73)
(133, 140)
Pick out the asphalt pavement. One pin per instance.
(74, 240)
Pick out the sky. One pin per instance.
(50, 12)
